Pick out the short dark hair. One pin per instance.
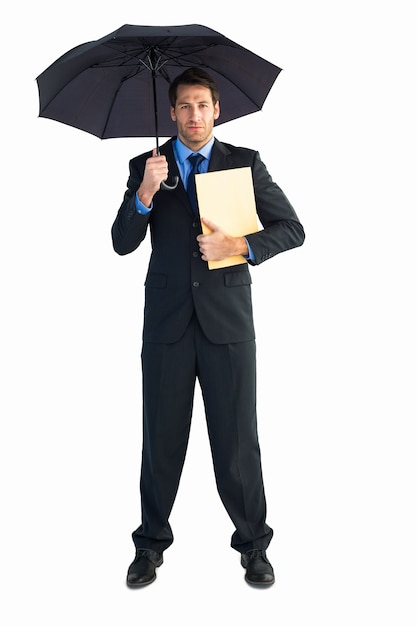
(193, 76)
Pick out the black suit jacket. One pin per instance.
(178, 281)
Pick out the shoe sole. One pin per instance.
(259, 584)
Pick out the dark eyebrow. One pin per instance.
(188, 102)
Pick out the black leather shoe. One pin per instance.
(258, 569)
(142, 571)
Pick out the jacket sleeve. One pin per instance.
(282, 229)
(129, 228)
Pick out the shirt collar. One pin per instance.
(182, 152)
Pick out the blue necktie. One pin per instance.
(195, 160)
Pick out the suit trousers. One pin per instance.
(227, 377)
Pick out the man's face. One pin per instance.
(194, 113)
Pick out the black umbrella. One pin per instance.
(112, 87)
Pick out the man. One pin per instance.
(198, 324)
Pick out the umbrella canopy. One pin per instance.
(113, 87)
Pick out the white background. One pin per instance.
(335, 330)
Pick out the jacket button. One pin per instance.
(196, 284)
(195, 254)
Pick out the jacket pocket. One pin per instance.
(237, 279)
(156, 281)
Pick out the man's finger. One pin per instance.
(210, 224)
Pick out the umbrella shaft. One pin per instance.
(155, 108)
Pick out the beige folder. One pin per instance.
(227, 198)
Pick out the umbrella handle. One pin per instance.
(166, 187)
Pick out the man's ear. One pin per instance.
(173, 116)
(217, 110)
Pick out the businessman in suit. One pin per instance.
(198, 325)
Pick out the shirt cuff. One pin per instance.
(140, 207)
(250, 256)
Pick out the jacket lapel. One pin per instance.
(219, 157)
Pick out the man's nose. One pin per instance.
(195, 112)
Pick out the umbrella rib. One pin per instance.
(239, 89)
(148, 50)
(110, 110)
